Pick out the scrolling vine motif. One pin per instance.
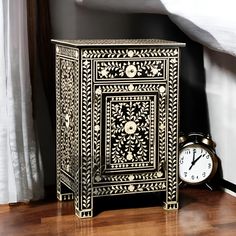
(66, 114)
(129, 129)
(120, 69)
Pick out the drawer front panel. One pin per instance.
(126, 70)
(129, 64)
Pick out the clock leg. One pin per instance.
(182, 184)
(209, 186)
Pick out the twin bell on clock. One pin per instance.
(198, 162)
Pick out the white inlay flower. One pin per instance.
(131, 87)
(154, 70)
(130, 53)
(85, 54)
(104, 72)
(97, 128)
(162, 126)
(162, 89)
(86, 62)
(131, 188)
(98, 91)
(159, 174)
(131, 178)
(98, 178)
(129, 156)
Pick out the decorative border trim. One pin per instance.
(130, 53)
(108, 190)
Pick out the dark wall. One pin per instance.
(69, 21)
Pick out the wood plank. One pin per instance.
(202, 213)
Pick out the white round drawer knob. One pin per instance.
(131, 71)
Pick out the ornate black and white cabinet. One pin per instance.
(117, 119)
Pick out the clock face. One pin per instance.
(195, 164)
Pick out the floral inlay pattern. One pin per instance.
(67, 118)
(130, 131)
(130, 69)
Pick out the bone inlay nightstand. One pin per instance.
(117, 119)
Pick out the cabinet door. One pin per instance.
(129, 138)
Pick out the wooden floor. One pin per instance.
(202, 213)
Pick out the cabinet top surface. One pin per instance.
(118, 42)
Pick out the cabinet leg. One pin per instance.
(84, 213)
(63, 193)
(83, 195)
(83, 210)
(171, 205)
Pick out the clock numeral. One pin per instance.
(192, 177)
(204, 174)
(185, 174)
(207, 156)
(187, 151)
(209, 165)
(181, 161)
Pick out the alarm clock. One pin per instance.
(197, 159)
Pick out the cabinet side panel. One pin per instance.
(66, 67)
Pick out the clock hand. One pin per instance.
(194, 152)
(197, 159)
(193, 162)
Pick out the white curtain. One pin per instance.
(21, 175)
(209, 22)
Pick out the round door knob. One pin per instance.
(130, 127)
